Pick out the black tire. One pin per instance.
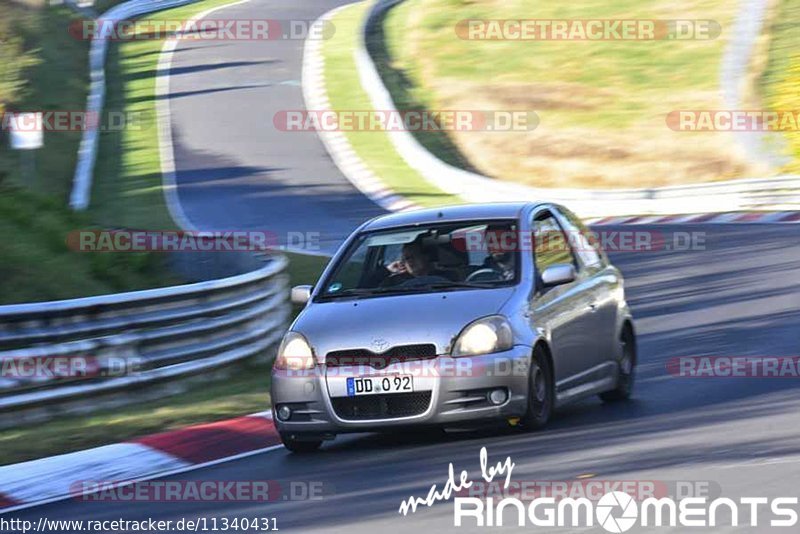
(627, 368)
(541, 391)
(300, 446)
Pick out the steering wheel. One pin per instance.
(484, 275)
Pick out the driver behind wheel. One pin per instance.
(414, 262)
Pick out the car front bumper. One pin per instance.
(456, 388)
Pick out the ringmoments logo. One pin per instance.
(619, 512)
(615, 511)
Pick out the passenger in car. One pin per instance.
(500, 243)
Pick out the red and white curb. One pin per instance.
(52, 479)
(753, 217)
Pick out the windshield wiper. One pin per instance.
(457, 285)
(362, 292)
(365, 292)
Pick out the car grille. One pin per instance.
(382, 406)
(400, 353)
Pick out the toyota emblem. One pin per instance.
(380, 344)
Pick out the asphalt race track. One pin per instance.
(234, 169)
(737, 295)
(740, 296)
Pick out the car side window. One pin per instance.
(583, 243)
(550, 244)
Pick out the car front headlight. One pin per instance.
(294, 354)
(484, 336)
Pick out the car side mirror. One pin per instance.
(558, 274)
(301, 294)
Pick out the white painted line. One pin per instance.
(773, 217)
(164, 127)
(726, 218)
(694, 218)
(336, 143)
(164, 123)
(649, 220)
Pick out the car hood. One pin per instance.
(379, 323)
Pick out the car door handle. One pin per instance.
(593, 306)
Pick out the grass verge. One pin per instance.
(38, 265)
(780, 83)
(345, 93)
(44, 68)
(127, 192)
(245, 392)
(602, 105)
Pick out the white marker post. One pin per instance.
(26, 133)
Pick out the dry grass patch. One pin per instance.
(602, 105)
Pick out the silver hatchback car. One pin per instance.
(451, 316)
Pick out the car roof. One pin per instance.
(459, 212)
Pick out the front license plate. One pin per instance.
(373, 385)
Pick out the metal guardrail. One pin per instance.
(87, 152)
(128, 340)
(779, 193)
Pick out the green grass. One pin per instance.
(245, 392)
(37, 264)
(45, 68)
(345, 93)
(780, 83)
(48, 71)
(602, 105)
(305, 268)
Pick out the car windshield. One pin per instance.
(436, 257)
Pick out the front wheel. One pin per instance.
(298, 445)
(627, 365)
(541, 391)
